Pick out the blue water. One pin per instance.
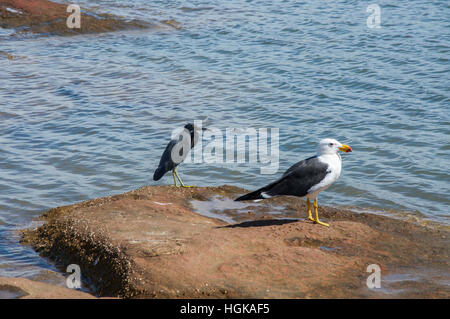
(89, 116)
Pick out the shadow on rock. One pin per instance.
(261, 223)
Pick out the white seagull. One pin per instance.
(307, 178)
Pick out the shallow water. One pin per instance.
(89, 116)
(231, 212)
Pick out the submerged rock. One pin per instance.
(159, 242)
(173, 23)
(47, 17)
(10, 57)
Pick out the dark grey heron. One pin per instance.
(176, 152)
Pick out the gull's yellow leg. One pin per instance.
(316, 212)
(308, 206)
(181, 182)
(174, 179)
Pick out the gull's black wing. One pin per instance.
(296, 181)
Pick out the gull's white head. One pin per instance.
(331, 146)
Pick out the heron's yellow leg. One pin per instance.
(308, 206)
(174, 179)
(316, 212)
(179, 178)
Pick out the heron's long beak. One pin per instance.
(345, 148)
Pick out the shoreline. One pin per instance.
(151, 243)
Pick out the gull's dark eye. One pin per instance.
(331, 144)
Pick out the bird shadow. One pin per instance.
(261, 223)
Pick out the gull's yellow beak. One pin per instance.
(345, 148)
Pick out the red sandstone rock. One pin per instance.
(37, 7)
(47, 17)
(150, 243)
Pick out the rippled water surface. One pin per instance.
(89, 116)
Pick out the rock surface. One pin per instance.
(47, 17)
(21, 288)
(149, 243)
